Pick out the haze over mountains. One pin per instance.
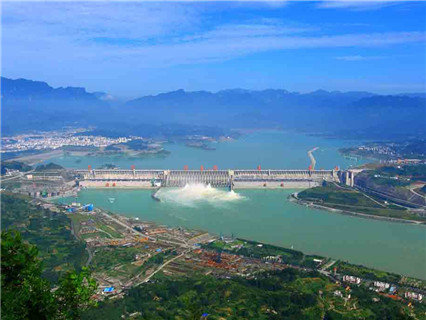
(34, 105)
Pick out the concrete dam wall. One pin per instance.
(290, 184)
(233, 179)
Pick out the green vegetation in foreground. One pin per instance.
(49, 231)
(25, 294)
(286, 294)
(346, 199)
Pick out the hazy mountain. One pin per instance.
(35, 91)
(240, 99)
(414, 95)
(349, 114)
(34, 105)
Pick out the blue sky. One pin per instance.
(136, 48)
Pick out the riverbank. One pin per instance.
(294, 198)
(40, 157)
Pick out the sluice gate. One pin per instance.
(180, 178)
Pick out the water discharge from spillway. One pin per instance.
(193, 194)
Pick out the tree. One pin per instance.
(74, 294)
(26, 295)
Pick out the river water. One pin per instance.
(264, 215)
(270, 149)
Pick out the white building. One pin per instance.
(413, 296)
(381, 285)
(352, 279)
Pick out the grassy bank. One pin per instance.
(335, 197)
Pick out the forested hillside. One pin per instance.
(49, 231)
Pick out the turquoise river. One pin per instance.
(264, 215)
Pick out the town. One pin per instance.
(53, 140)
(396, 152)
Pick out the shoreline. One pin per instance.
(293, 198)
(40, 157)
(305, 251)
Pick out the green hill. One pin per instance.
(49, 231)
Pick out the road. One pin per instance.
(328, 265)
(401, 202)
(412, 189)
(89, 259)
(20, 175)
(162, 266)
(138, 232)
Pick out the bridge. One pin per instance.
(238, 178)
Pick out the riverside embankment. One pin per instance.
(294, 198)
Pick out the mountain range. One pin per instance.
(31, 105)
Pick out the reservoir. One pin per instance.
(262, 215)
(270, 149)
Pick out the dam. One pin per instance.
(232, 179)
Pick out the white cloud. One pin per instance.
(84, 20)
(232, 31)
(360, 5)
(153, 35)
(359, 58)
(224, 48)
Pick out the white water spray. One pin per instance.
(193, 194)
